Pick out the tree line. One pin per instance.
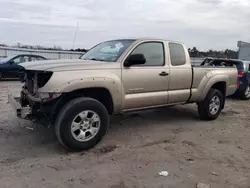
(231, 54)
(39, 47)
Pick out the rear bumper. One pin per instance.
(21, 112)
(241, 88)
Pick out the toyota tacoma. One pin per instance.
(78, 96)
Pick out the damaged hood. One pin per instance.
(68, 65)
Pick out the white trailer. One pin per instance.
(244, 50)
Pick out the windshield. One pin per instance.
(108, 51)
(4, 60)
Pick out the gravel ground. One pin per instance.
(137, 147)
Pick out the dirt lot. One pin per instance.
(137, 147)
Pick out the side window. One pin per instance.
(33, 58)
(21, 59)
(249, 67)
(177, 54)
(17, 60)
(30, 58)
(27, 58)
(152, 51)
(24, 59)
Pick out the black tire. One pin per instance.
(1, 76)
(203, 107)
(66, 116)
(246, 94)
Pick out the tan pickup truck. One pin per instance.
(118, 76)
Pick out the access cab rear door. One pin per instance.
(180, 73)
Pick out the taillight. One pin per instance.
(240, 74)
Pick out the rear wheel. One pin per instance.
(1, 76)
(246, 94)
(81, 124)
(211, 106)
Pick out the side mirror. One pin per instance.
(135, 59)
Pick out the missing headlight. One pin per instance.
(43, 78)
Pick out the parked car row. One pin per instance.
(10, 66)
(243, 67)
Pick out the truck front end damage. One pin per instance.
(32, 104)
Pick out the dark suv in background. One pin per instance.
(243, 68)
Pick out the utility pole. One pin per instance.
(73, 46)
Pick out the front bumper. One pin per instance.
(21, 112)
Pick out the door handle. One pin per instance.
(163, 74)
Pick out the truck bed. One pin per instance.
(200, 80)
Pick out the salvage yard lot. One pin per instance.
(137, 147)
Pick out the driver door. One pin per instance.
(146, 85)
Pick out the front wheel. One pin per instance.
(81, 124)
(211, 106)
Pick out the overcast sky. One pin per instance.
(206, 24)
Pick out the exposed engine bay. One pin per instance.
(34, 80)
(33, 104)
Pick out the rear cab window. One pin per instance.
(177, 54)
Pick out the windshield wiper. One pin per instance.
(94, 59)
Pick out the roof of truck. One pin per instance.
(146, 38)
